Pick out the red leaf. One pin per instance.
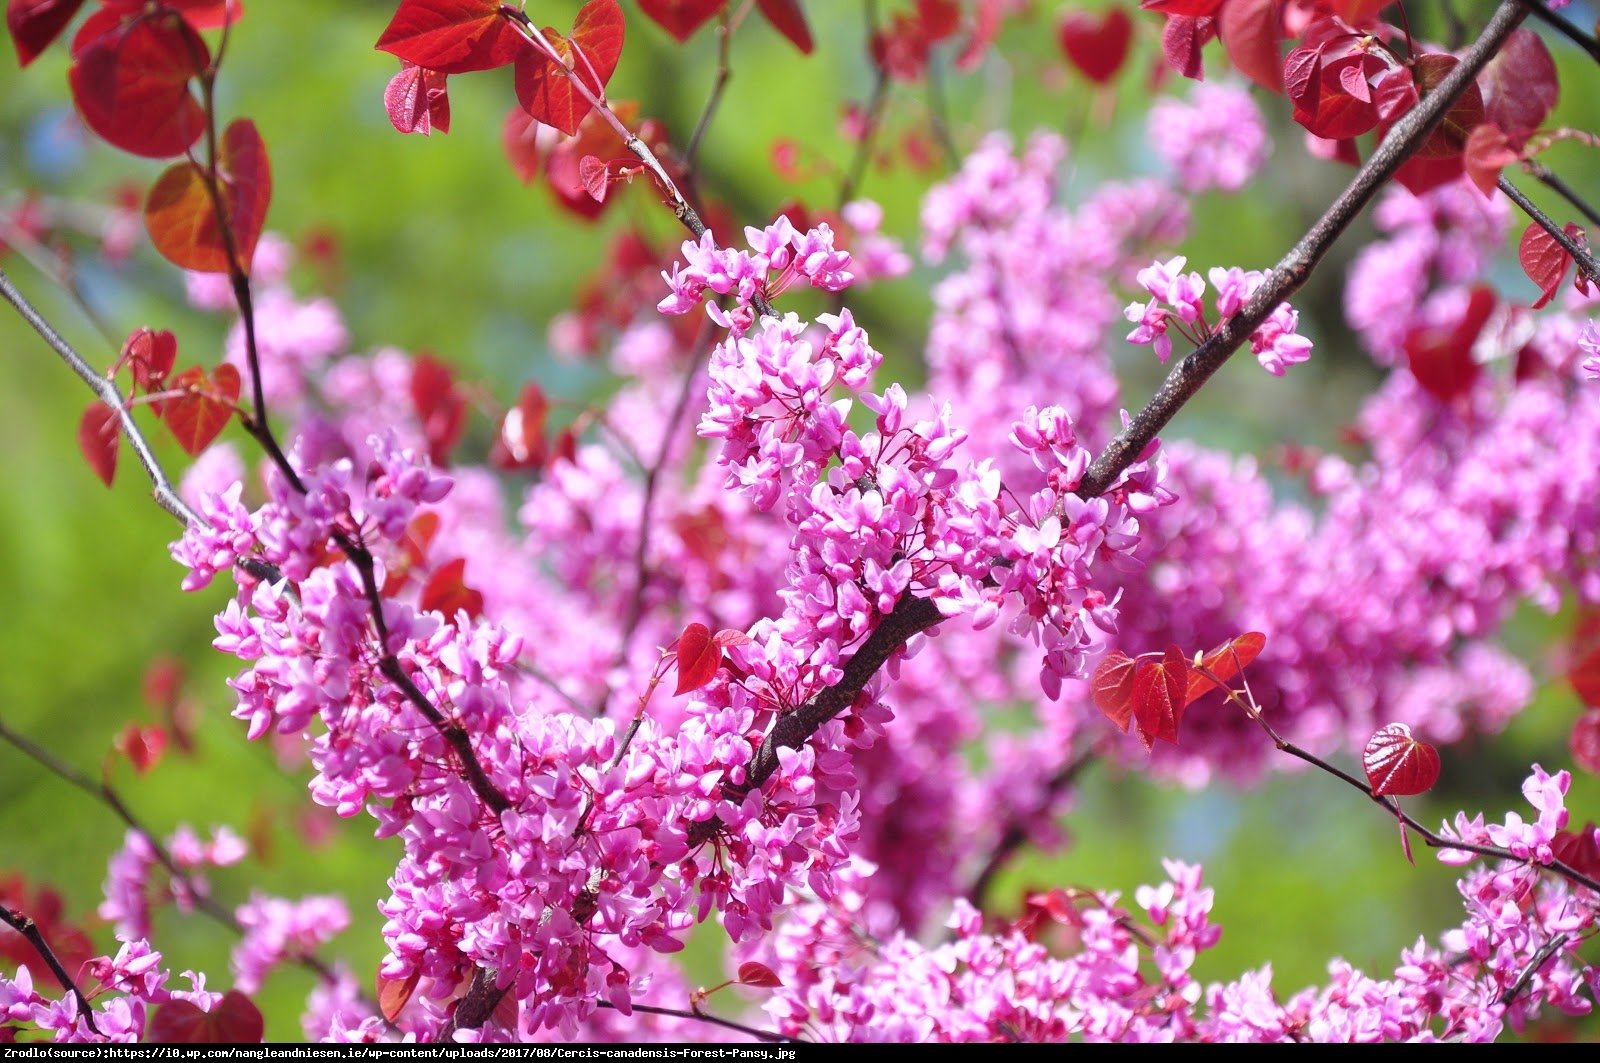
(233, 1020)
(1543, 260)
(130, 82)
(787, 18)
(1224, 662)
(150, 355)
(418, 100)
(731, 637)
(182, 219)
(597, 138)
(596, 177)
(1441, 357)
(1584, 673)
(759, 975)
(1250, 31)
(447, 592)
(98, 439)
(519, 136)
(1399, 764)
(208, 14)
(1111, 685)
(680, 17)
(1585, 741)
(1332, 100)
(142, 746)
(1097, 46)
(35, 23)
(1578, 849)
(1188, 8)
(1486, 153)
(440, 408)
(1520, 85)
(1448, 139)
(394, 993)
(1159, 691)
(452, 36)
(699, 656)
(196, 417)
(521, 443)
(591, 53)
(1182, 41)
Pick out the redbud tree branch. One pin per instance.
(25, 926)
(1583, 40)
(1553, 181)
(1586, 263)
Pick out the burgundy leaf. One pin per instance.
(1398, 764)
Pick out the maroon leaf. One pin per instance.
(1440, 357)
(1578, 849)
(205, 408)
(1182, 41)
(1520, 85)
(680, 17)
(233, 1020)
(452, 36)
(546, 91)
(98, 439)
(418, 100)
(1160, 689)
(1111, 686)
(130, 82)
(35, 23)
(1450, 137)
(1250, 31)
(1097, 46)
(1543, 260)
(787, 18)
(699, 656)
(759, 975)
(1487, 152)
(446, 592)
(1585, 741)
(439, 406)
(150, 355)
(1398, 764)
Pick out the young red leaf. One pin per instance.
(758, 975)
(597, 138)
(418, 100)
(130, 83)
(439, 406)
(143, 746)
(1448, 139)
(150, 355)
(1224, 662)
(521, 443)
(1097, 46)
(208, 14)
(35, 23)
(1250, 31)
(1578, 849)
(731, 637)
(98, 439)
(680, 17)
(232, 1020)
(519, 137)
(1398, 764)
(1183, 39)
(698, 657)
(787, 18)
(1487, 152)
(1543, 260)
(1159, 691)
(395, 993)
(591, 54)
(1440, 357)
(180, 215)
(446, 592)
(1520, 85)
(1585, 741)
(196, 417)
(452, 36)
(1111, 686)
(596, 177)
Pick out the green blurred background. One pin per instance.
(443, 249)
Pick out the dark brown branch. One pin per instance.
(1540, 958)
(1553, 181)
(30, 930)
(1583, 40)
(1295, 267)
(1586, 263)
(768, 1036)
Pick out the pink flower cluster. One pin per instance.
(1214, 139)
(1275, 342)
(779, 255)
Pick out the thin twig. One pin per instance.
(769, 1036)
(1016, 830)
(1553, 181)
(719, 84)
(25, 926)
(38, 256)
(874, 114)
(1583, 40)
(1540, 958)
(1586, 263)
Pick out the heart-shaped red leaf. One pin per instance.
(452, 36)
(395, 993)
(98, 439)
(1398, 764)
(1488, 151)
(208, 402)
(130, 82)
(1450, 136)
(1111, 686)
(1223, 663)
(759, 975)
(1440, 356)
(232, 1020)
(418, 100)
(446, 592)
(680, 17)
(1545, 261)
(1520, 85)
(150, 355)
(35, 23)
(1097, 46)
(591, 53)
(180, 215)
(699, 656)
(787, 18)
(1579, 849)
(1250, 32)
(1160, 688)
(1183, 41)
